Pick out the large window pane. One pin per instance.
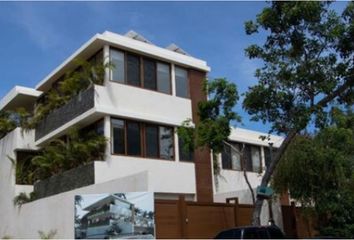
(226, 157)
(231, 158)
(235, 157)
(118, 136)
(247, 154)
(163, 78)
(152, 141)
(133, 70)
(133, 138)
(150, 74)
(118, 69)
(166, 142)
(184, 154)
(256, 159)
(181, 76)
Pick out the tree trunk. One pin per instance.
(243, 168)
(267, 176)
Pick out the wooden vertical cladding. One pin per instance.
(203, 168)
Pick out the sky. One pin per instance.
(38, 36)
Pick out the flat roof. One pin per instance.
(125, 43)
(19, 97)
(253, 137)
(104, 201)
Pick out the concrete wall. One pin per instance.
(164, 175)
(133, 102)
(57, 212)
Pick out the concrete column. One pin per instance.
(173, 80)
(107, 134)
(176, 145)
(106, 60)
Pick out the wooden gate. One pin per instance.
(187, 219)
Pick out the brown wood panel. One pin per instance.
(244, 215)
(203, 167)
(207, 221)
(167, 219)
(289, 221)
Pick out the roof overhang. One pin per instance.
(253, 137)
(123, 42)
(19, 97)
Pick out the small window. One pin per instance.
(166, 142)
(133, 70)
(152, 141)
(118, 69)
(133, 138)
(150, 74)
(118, 136)
(185, 154)
(231, 158)
(252, 158)
(267, 156)
(163, 78)
(182, 88)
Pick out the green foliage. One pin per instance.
(50, 235)
(215, 115)
(84, 76)
(7, 123)
(307, 57)
(23, 198)
(63, 154)
(215, 118)
(318, 171)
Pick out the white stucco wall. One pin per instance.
(164, 175)
(133, 102)
(14, 140)
(57, 212)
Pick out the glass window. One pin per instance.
(118, 69)
(133, 70)
(133, 138)
(182, 88)
(231, 158)
(166, 142)
(149, 74)
(256, 159)
(152, 141)
(267, 156)
(118, 136)
(184, 154)
(252, 158)
(163, 78)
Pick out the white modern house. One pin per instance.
(150, 91)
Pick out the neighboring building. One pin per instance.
(150, 91)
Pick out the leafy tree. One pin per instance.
(64, 154)
(215, 118)
(318, 171)
(308, 65)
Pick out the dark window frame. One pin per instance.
(247, 145)
(141, 62)
(188, 82)
(142, 140)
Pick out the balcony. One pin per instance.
(75, 107)
(117, 100)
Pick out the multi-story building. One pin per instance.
(143, 98)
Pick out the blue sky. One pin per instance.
(37, 36)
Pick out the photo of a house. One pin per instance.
(117, 215)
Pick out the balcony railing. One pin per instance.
(74, 108)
